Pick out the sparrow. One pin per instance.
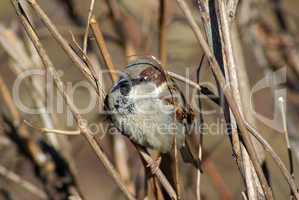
(147, 106)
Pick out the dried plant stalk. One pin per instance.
(85, 39)
(58, 83)
(119, 146)
(208, 17)
(62, 42)
(107, 58)
(4, 172)
(34, 149)
(254, 189)
(264, 143)
(163, 16)
(229, 97)
(103, 48)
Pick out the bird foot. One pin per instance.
(154, 166)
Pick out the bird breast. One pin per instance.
(148, 108)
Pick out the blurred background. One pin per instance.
(267, 35)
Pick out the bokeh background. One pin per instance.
(184, 52)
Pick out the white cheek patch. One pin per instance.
(147, 99)
(147, 90)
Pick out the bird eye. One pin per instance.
(125, 87)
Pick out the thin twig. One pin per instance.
(229, 97)
(16, 116)
(103, 48)
(232, 8)
(62, 42)
(163, 15)
(35, 150)
(107, 58)
(23, 61)
(186, 80)
(108, 61)
(85, 39)
(100, 90)
(175, 167)
(244, 196)
(230, 75)
(201, 133)
(276, 158)
(13, 177)
(59, 84)
(158, 173)
(253, 187)
(269, 149)
(57, 131)
(120, 150)
(39, 100)
(286, 136)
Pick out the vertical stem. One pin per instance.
(286, 135)
(85, 39)
(212, 22)
(252, 184)
(119, 148)
(229, 97)
(163, 31)
(60, 86)
(103, 48)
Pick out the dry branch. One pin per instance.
(34, 149)
(103, 48)
(163, 16)
(108, 61)
(269, 149)
(23, 61)
(85, 39)
(11, 176)
(58, 83)
(286, 135)
(62, 42)
(232, 71)
(229, 97)
(119, 146)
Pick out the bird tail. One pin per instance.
(189, 155)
